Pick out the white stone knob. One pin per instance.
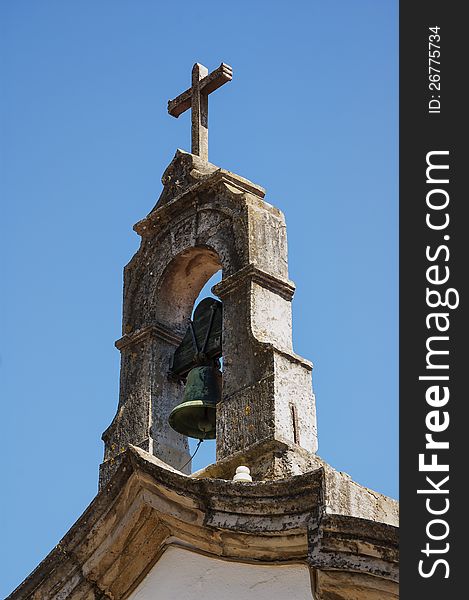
(243, 474)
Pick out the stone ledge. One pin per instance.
(283, 287)
(156, 330)
(354, 544)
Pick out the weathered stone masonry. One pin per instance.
(207, 219)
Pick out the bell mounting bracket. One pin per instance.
(202, 342)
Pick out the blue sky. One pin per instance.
(311, 115)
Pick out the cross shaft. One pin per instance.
(196, 98)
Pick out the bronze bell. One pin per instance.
(196, 415)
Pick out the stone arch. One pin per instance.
(190, 249)
(181, 283)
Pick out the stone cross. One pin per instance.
(196, 98)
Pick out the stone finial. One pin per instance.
(242, 475)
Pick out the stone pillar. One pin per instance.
(267, 394)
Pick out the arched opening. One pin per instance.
(187, 280)
(206, 454)
(181, 284)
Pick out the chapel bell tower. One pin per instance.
(260, 407)
(295, 527)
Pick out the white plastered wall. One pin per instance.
(185, 575)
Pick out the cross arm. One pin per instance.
(207, 85)
(180, 104)
(216, 79)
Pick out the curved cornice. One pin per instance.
(147, 505)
